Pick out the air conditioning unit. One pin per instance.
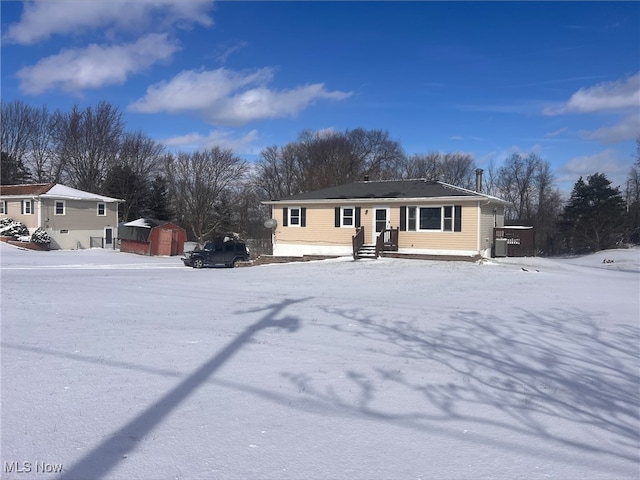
(500, 247)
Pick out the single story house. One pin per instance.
(73, 218)
(148, 236)
(408, 217)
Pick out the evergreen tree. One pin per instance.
(122, 182)
(158, 204)
(594, 217)
(13, 171)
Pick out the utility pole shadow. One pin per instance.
(106, 456)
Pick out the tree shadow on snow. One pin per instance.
(555, 376)
(108, 454)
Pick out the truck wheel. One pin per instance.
(198, 263)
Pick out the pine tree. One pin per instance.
(158, 205)
(594, 218)
(13, 171)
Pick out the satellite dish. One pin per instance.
(271, 223)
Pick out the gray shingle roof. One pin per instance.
(386, 189)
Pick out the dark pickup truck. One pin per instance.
(217, 253)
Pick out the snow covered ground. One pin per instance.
(118, 366)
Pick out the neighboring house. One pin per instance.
(408, 217)
(148, 236)
(73, 218)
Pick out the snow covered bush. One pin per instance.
(11, 228)
(40, 237)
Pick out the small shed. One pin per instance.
(148, 236)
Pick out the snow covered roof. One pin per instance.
(144, 223)
(52, 190)
(61, 191)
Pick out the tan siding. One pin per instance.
(464, 240)
(486, 226)
(14, 209)
(79, 215)
(320, 228)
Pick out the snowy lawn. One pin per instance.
(118, 366)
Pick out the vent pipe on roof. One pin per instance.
(479, 172)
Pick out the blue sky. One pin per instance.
(561, 79)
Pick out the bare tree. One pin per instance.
(200, 183)
(516, 184)
(633, 198)
(40, 157)
(376, 154)
(16, 128)
(87, 141)
(277, 173)
(422, 165)
(458, 169)
(453, 168)
(130, 175)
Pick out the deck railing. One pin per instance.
(387, 240)
(357, 241)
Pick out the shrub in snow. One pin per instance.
(40, 237)
(11, 228)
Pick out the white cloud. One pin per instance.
(627, 129)
(606, 161)
(42, 19)
(74, 70)
(242, 145)
(556, 132)
(226, 97)
(608, 96)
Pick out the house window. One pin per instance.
(64, 231)
(430, 218)
(348, 217)
(60, 207)
(294, 217)
(27, 207)
(3, 207)
(446, 218)
(102, 209)
(411, 218)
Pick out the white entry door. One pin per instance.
(380, 221)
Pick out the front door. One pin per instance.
(108, 237)
(380, 222)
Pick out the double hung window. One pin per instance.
(294, 217)
(60, 207)
(27, 207)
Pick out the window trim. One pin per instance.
(64, 207)
(343, 217)
(3, 207)
(104, 206)
(301, 217)
(411, 220)
(26, 203)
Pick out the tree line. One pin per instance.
(213, 191)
